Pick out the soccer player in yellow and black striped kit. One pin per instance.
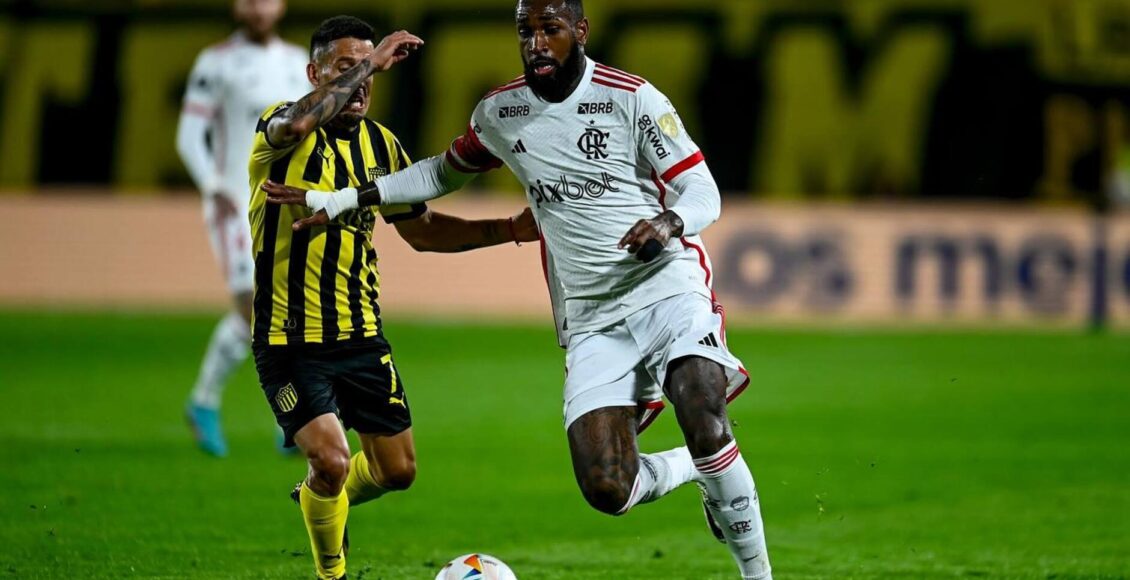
(316, 330)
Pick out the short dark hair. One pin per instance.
(338, 27)
(576, 7)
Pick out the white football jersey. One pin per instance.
(231, 84)
(593, 165)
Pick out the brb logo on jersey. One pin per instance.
(562, 188)
(514, 111)
(594, 144)
(595, 108)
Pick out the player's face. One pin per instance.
(551, 42)
(259, 16)
(342, 55)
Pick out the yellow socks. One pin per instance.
(325, 516)
(360, 485)
(325, 521)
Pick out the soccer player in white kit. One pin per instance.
(609, 167)
(229, 87)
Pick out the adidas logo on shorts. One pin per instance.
(709, 340)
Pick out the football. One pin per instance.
(476, 567)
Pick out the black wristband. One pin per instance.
(368, 194)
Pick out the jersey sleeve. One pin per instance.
(202, 96)
(662, 139)
(470, 153)
(196, 120)
(401, 211)
(262, 151)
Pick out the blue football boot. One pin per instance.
(205, 425)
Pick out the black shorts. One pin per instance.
(357, 380)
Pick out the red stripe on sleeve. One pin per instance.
(469, 155)
(199, 110)
(451, 160)
(601, 81)
(475, 143)
(606, 68)
(619, 77)
(682, 166)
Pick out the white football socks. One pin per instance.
(732, 499)
(659, 474)
(227, 349)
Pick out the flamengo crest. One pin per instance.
(594, 144)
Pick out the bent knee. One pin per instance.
(398, 477)
(606, 494)
(329, 469)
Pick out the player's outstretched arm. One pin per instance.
(318, 107)
(431, 232)
(438, 232)
(427, 180)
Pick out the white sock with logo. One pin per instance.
(227, 349)
(659, 474)
(731, 497)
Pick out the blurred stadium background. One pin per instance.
(925, 251)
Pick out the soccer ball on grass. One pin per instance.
(476, 567)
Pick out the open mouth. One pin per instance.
(543, 68)
(356, 102)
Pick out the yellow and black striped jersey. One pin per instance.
(319, 285)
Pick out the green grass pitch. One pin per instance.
(877, 455)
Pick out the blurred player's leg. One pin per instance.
(385, 463)
(325, 505)
(230, 236)
(697, 387)
(227, 349)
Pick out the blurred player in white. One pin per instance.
(609, 167)
(230, 86)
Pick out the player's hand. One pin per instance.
(224, 207)
(330, 204)
(648, 237)
(282, 194)
(393, 49)
(319, 218)
(524, 227)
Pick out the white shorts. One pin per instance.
(626, 365)
(231, 242)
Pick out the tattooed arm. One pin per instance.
(438, 232)
(315, 109)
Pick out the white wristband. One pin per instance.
(212, 187)
(335, 203)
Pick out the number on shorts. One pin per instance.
(393, 399)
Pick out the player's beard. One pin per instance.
(557, 86)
